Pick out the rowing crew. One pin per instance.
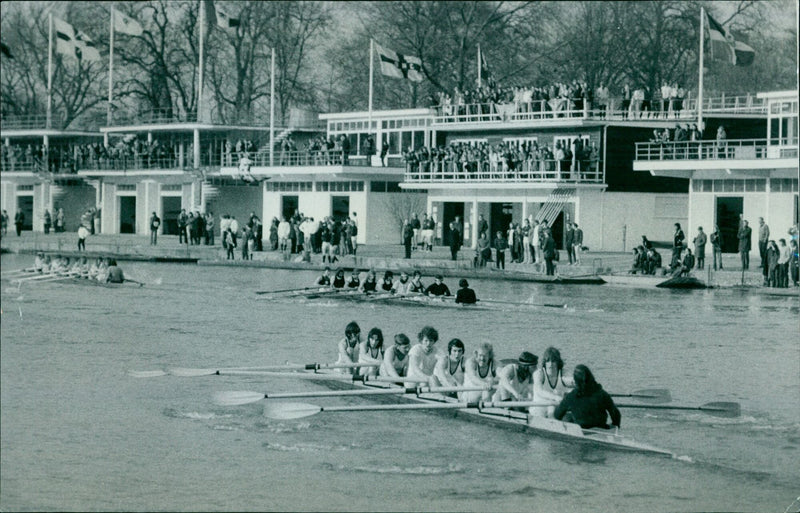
(580, 400)
(101, 269)
(403, 286)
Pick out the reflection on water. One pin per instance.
(78, 431)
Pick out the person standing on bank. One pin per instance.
(19, 220)
(456, 237)
(384, 151)
(549, 251)
(763, 241)
(48, 222)
(408, 236)
(155, 224)
(700, 247)
(577, 244)
(744, 236)
(569, 241)
(83, 232)
(716, 247)
(678, 242)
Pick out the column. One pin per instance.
(474, 222)
(196, 152)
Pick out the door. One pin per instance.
(127, 214)
(289, 206)
(729, 213)
(171, 209)
(502, 214)
(451, 210)
(25, 203)
(340, 207)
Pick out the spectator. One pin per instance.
(783, 264)
(500, 245)
(578, 243)
(456, 237)
(763, 240)
(155, 223)
(716, 247)
(19, 221)
(744, 236)
(284, 231)
(48, 221)
(408, 236)
(700, 247)
(678, 243)
(182, 221)
(773, 257)
(384, 150)
(209, 231)
(549, 251)
(4, 226)
(83, 232)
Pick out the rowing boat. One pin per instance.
(507, 419)
(95, 283)
(649, 281)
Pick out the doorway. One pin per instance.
(171, 209)
(24, 203)
(340, 207)
(450, 211)
(127, 214)
(502, 214)
(289, 206)
(729, 213)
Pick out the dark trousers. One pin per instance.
(81, 244)
(407, 244)
(745, 260)
(453, 253)
(717, 256)
(550, 269)
(762, 251)
(153, 237)
(19, 229)
(46, 229)
(182, 235)
(571, 252)
(501, 260)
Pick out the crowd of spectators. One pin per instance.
(332, 237)
(507, 158)
(574, 98)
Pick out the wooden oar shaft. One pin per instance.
(379, 391)
(261, 292)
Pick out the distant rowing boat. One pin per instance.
(507, 419)
(649, 281)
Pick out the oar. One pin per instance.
(191, 372)
(236, 398)
(650, 395)
(17, 271)
(260, 292)
(134, 281)
(284, 411)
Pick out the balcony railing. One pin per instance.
(724, 149)
(563, 108)
(530, 172)
(30, 122)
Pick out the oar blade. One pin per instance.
(191, 373)
(722, 409)
(146, 374)
(237, 398)
(288, 411)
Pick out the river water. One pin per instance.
(79, 433)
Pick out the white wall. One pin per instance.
(650, 214)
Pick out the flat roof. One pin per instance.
(778, 94)
(377, 114)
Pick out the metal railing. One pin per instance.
(612, 109)
(723, 149)
(448, 171)
(30, 121)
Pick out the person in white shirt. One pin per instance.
(422, 358)
(549, 385)
(284, 230)
(480, 371)
(514, 381)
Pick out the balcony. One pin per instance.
(30, 122)
(533, 172)
(733, 149)
(563, 109)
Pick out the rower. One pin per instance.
(338, 279)
(514, 380)
(102, 271)
(371, 351)
(422, 357)
(465, 295)
(370, 283)
(38, 262)
(114, 272)
(549, 385)
(348, 347)
(588, 405)
(438, 288)
(395, 361)
(47, 265)
(401, 286)
(449, 370)
(324, 279)
(416, 286)
(479, 371)
(386, 282)
(354, 282)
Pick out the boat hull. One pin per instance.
(646, 281)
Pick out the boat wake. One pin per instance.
(281, 428)
(309, 447)
(194, 415)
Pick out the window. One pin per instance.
(126, 187)
(171, 187)
(340, 186)
(288, 186)
(783, 185)
(519, 142)
(469, 142)
(25, 188)
(567, 140)
(385, 187)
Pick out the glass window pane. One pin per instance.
(406, 141)
(419, 139)
(394, 143)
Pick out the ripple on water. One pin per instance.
(415, 470)
(305, 447)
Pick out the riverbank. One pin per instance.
(128, 247)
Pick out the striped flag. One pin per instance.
(397, 65)
(724, 47)
(126, 25)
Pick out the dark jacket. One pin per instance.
(589, 410)
(466, 296)
(744, 235)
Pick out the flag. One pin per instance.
(225, 21)
(6, 50)
(724, 47)
(486, 76)
(126, 25)
(397, 65)
(74, 44)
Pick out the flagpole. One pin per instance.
(479, 66)
(700, 80)
(272, 110)
(110, 71)
(200, 78)
(369, 114)
(49, 120)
